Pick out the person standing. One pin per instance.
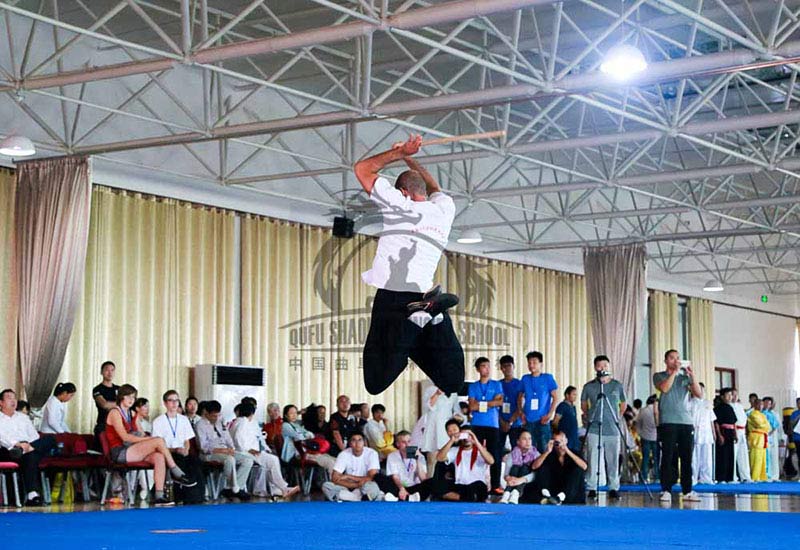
(742, 456)
(511, 415)
(647, 428)
(725, 429)
(105, 396)
(757, 433)
(773, 448)
(439, 408)
(485, 400)
(537, 400)
(606, 448)
(566, 418)
(703, 457)
(676, 427)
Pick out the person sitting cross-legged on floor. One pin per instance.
(406, 473)
(247, 438)
(519, 468)
(559, 475)
(216, 445)
(472, 461)
(353, 473)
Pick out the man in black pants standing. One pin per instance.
(676, 427)
(407, 321)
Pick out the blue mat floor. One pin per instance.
(418, 526)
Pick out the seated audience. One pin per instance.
(519, 468)
(216, 445)
(247, 438)
(353, 473)
(273, 428)
(356, 412)
(24, 408)
(126, 447)
(55, 410)
(141, 412)
(20, 443)
(294, 432)
(378, 436)
(341, 426)
(314, 420)
(472, 461)
(559, 475)
(177, 432)
(192, 410)
(406, 473)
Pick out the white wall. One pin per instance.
(762, 349)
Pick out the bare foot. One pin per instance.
(292, 491)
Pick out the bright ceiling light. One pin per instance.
(470, 236)
(623, 61)
(714, 285)
(17, 146)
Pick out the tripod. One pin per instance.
(603, 402)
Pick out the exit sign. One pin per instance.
(764, 298)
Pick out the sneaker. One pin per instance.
(561, 497)
(184, 481)
(414, 498)
(514, 498)
(162, 502)
(614, 495)
(389, 497)
(691, 496)
(347, 496)
(591, 494)
(506, 497)
(435, 305)
(666, 496)
(546, 493)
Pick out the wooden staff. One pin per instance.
(474, 137)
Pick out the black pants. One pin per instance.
(570, 482)
(443, 480)
(192, 466)
(518, 471)
(477, 491)
(726, 456)
(676, 440)
(29, 463)
(387, 485)
(491, 439)
(393, 339)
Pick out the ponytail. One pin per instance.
(64, 387)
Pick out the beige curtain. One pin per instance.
(158, 297)
(52, 223)
(9, 376)
(305, 316)
(664, 332)
(617, 294)
(701, 341)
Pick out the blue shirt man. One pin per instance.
(510, 414)
(485, 400)
(566, 418)
(538, 400)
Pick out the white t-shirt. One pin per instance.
(465, 473)
(408, 469)
(349, 464)
(174, 431)
(374, 431)
(412, 239)
(53, 417)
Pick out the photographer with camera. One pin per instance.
(603, 401)
(472, 461)
(406, 473)
(559, 475)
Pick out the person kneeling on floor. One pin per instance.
(472, 461)
(559, 475)
(353, 473)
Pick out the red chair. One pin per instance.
(305, 468)
(10, 469)
(74, 457)
(127, 470)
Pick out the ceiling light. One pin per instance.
(17, 146)
(714, 285)
(470, 237)
(623, 61)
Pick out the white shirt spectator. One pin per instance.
(466, 473)
(212, 436)
(374, 433)
(54, 416)
(407, 469)
(15, 428)
(646, 423)
(414, 234)
(703, 416)
(246, 435)
(175, 431)
(349, 464)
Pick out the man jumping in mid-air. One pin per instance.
(407, 321)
